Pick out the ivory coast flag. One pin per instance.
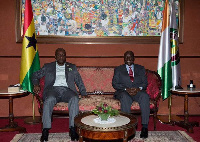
(164, 57)
(176, 70)
(30, 57)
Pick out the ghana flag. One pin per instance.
(30, 57)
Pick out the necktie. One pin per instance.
(131, 74)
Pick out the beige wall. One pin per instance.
(10, 53)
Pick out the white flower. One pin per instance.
(70, 69)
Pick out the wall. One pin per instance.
(146, 54)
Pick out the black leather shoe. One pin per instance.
(45, 134)
(144, 133)
(73, 134)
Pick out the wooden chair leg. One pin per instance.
(155, 119)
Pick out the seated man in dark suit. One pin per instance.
(60, 79)
(130, 83)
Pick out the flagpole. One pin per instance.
(167, 119)
(169, 106)
(33, 119)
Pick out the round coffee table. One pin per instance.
(123, 127)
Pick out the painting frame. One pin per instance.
(56, 39)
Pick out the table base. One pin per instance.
(175, 120)
(31, 120)
(12, 128)
(166, 119)
(188, 126)
(95, 135)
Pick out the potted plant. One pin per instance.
(104, 111)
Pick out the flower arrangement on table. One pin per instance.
(104, 111)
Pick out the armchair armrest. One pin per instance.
(154, 86)
(40, 95)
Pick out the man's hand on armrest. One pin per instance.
(36, 89)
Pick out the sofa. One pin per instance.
(98, 83)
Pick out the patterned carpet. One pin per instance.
(154, 136)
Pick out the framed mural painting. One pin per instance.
(98, 21)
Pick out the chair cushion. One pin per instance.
(87, 104)
(95, 100)
(90, 103)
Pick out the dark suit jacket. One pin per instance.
(121, 79)
(49, 72)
